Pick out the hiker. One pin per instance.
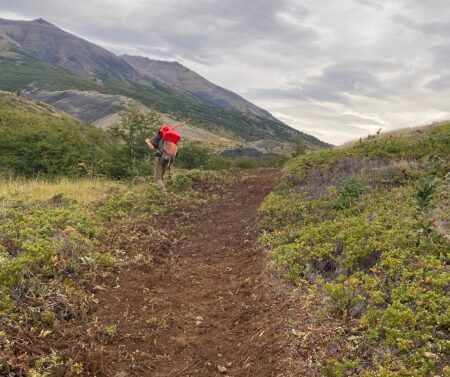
(165, 142)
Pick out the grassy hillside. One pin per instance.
(363, 231)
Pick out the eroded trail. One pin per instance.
(205, 306)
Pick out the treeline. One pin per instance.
(44, 144)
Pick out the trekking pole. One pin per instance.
(181, 124)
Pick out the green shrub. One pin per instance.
(194, 156)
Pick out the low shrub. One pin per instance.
(357, 225)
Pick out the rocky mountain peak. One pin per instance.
(42, 22)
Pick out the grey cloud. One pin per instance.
(441, 57)
(307, 93)
(437, 27)
(371, 4)
(439, 84)
(336, 82)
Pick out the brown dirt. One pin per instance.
(205, 301)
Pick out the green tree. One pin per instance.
(134, 127)
(300, 148)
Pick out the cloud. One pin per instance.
(436, 27)
(439, 84)
(371, 4)
(339, 70)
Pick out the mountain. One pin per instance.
(37, 56)
(57, 47)
(178, 76)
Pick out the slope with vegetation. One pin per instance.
(38, 139)
(364, 231)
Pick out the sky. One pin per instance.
(338, 70)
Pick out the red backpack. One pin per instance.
(169, 146)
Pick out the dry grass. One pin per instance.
(85, 190)
(419, 131)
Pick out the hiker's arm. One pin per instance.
(152, 144)
(156, 140)
(149, 143)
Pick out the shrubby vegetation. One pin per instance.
(198, 156)
(363, 227)
(35, 143)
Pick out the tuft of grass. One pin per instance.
(111, 330)
(159, 324)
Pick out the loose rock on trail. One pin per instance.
(204, 307)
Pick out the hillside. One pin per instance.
(362, 233)
(103, 110)
(37, 55)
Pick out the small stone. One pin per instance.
(229, 364)
(222, 369)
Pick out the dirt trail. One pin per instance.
(204, 303)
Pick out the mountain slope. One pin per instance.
(37, 55)
(181, 77)
(55, 46)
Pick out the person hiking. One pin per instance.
(165, 144)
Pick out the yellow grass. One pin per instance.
(85, 190)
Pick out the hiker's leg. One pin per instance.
(158, 173)
(164, 168)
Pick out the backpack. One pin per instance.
(169, 145)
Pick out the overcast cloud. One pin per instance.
(336, 69)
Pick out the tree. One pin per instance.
(300, 148)
(134, 127)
